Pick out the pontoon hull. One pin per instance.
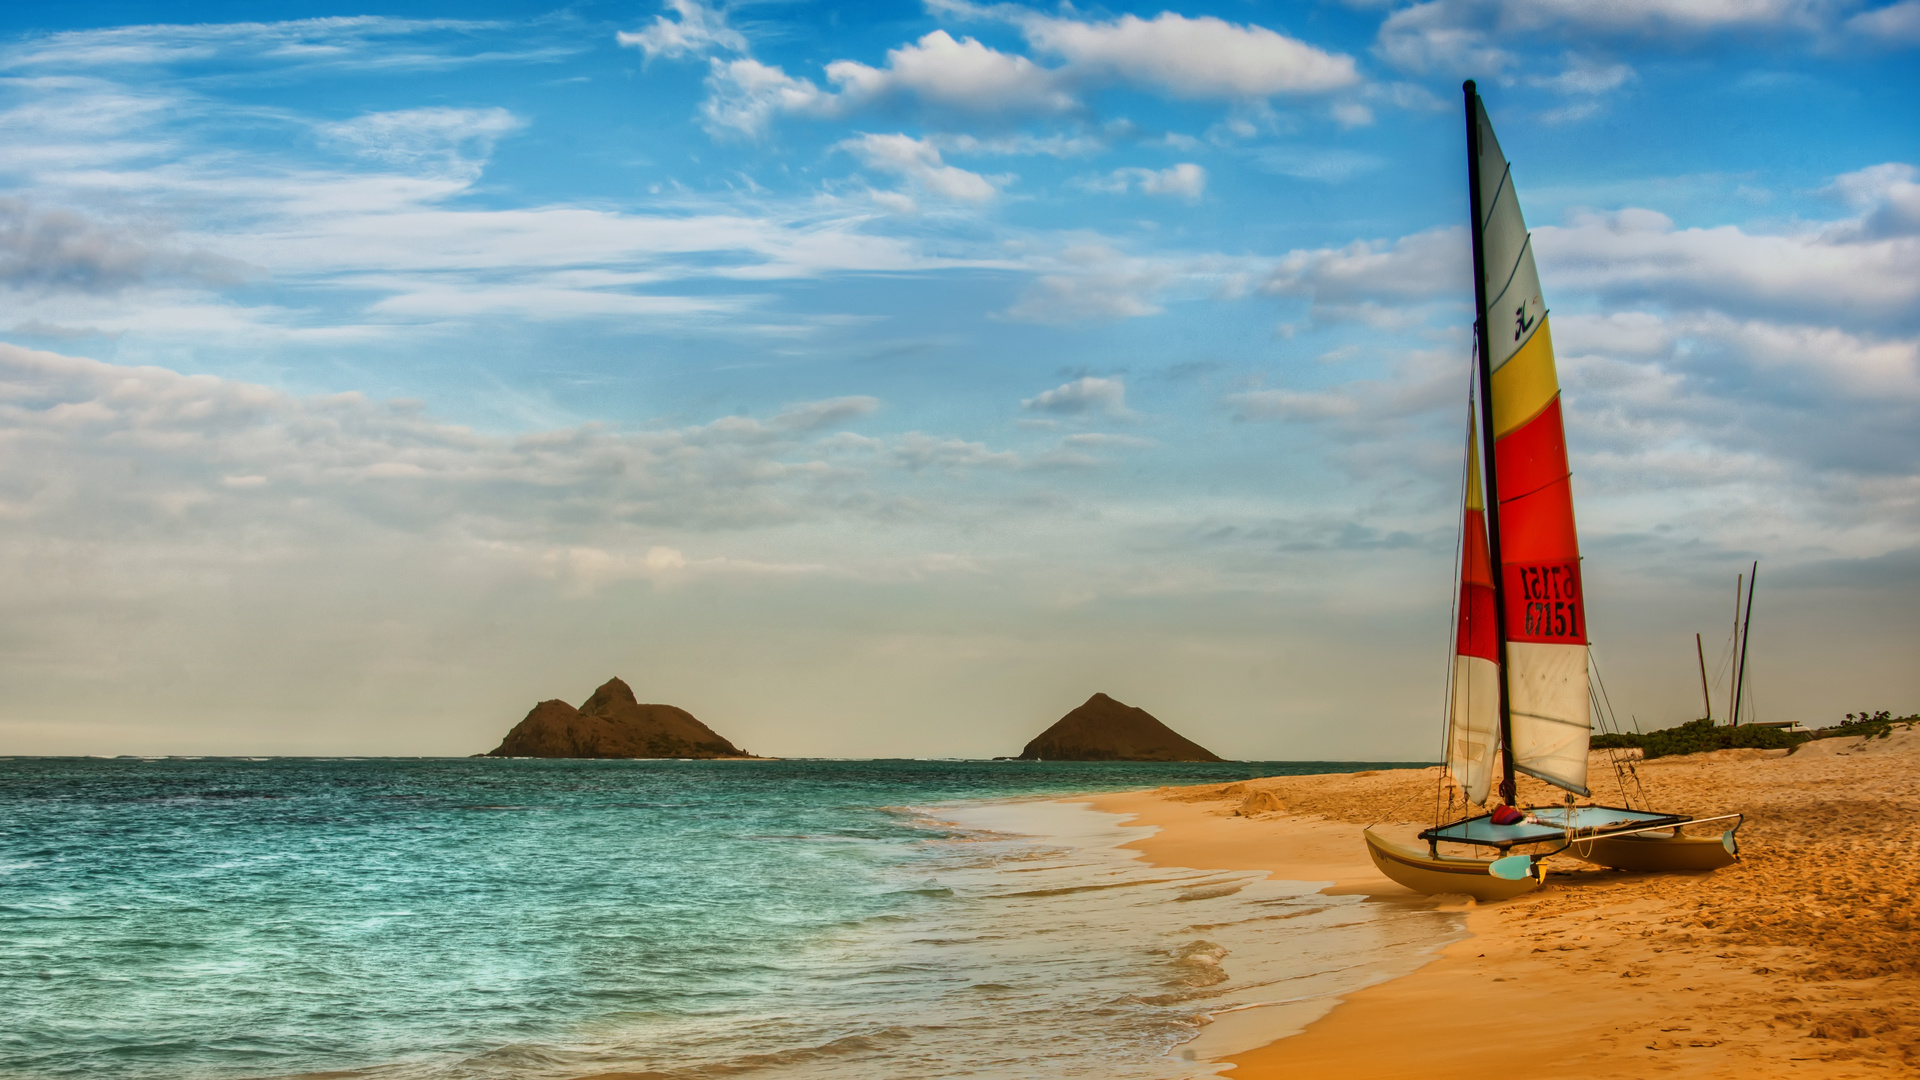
(1659, 853)
(1430, 874)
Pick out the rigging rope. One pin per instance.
(1444, 779)
(1623, 765)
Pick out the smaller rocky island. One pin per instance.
(613, 724)
(1107, 730)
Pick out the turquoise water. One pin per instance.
(482, 918)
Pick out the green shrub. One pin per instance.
(1699, 736)
(1865, 725)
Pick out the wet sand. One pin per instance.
(1801, 959)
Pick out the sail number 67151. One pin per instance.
(1544, 602)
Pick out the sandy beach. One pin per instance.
(1801, 959)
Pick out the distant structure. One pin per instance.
(1106, 730)
(612, 724)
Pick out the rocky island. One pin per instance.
(1106, 730)
(613, 724)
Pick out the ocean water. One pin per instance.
(478, 918)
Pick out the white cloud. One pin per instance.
(1087, 394)
(1416, 269)
(1327, 166)
(1705, 394)
(455, 142)
(1894, 24)
(1350, 114)
(1867, 266)
(1405, 95)
(920, 163)
(1099, 284)
(1103, 440)
(1664, 16)
(1437, 37)
(937, 72)
(1572, 113)
(1202, 57)
(1369, 412)
(1185, 180)
(814, 415)
(147, 452)
(962, 76)
(699, 30)
(354, 43)
(1292, 404)
(1888, 197)
(58, 251)
(1837, 364)
(1586, 75)
(916, 451)
(1703, 397)
(123, 238)
(1018, 145)
(583, 571)
(744, 95)
(1467, 37)
(1640, 255)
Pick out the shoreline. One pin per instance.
(1796, 960)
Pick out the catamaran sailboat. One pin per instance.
(1520, 694)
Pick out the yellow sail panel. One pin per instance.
(1526, 384)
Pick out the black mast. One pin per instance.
(1746, 631)
(1489, 467)
(1701, 652)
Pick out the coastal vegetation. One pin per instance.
(1877, 725)
(1699, 736)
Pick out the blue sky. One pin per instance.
(885, 380)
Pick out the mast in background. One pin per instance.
(1509, 791)
(1733, 658)
(1701, 652)
(1746, 630)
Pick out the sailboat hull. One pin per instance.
(1659, 853)
(1430, 874)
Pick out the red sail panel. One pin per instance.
(1532, 455)
(1473, 722)
(1479, 635)
(1539, 548)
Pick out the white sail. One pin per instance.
(1473, 721)
(1541, 595)
(1547, 693)
(1514, 306)
(1473, 730)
